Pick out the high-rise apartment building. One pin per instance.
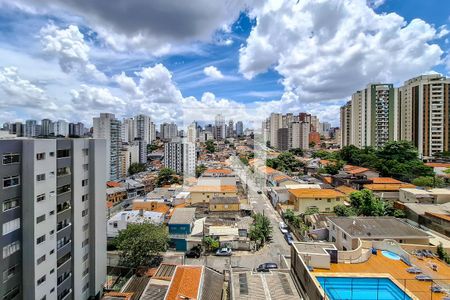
(275, 123)
(239, 128)
(283, 139)
(108, 127)
(230, 129)
(61, 128)
(424, 113)
(192, 133)
(53, 215)
(30, 128)
(168, 131)
(346, 121)
(46, 127)
(219, 130)
(180, 157)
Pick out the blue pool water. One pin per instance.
(390, 255)
(361, 288)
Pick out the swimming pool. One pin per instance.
(361, 288)
(390, 255)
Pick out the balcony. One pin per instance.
(63, 260)
(60, 208)
(62, 226)
(63, 278)
(63, 189)
(65, 294)
(62, 245)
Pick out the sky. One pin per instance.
(178, 62)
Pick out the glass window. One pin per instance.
(84, 197)
(41, 259)
(40, 177)
(11, 249)
(40, 219)
(11, 181)
(11, 158)
(84, 182)
(9, 273)
(84, 212)
(40, 156)
(11, 226)
(63, 153)
(10, 204)
(40, 197)
(41, 280)
(40, 239)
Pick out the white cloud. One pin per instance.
(375, 3)
(443, 31)
(90, 97)
(69, 47)
(330, 48)
(213, 72)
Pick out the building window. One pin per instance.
(12, 293)
(11, 226)
(9, 273)
(63, 171)
(51, 213)
(40, 156)
(86, 151)
(85, 212)
(63, 153)
(41, 280)
(86, 227)
(40, 239)
(11, 249)
(85, 257)
(52, 271)
(84, 182)
(84, 197)
(85, 243)
(41, 259)
(344, 235)
(86, 167)
(86, 286)
(85, 272)
(40, 177)
(10, 204)
(40, 219)
(11, 181)
(11, 158)
(44, 298)
(40, 198)
(52, 290)
(52, 232)
(63, 189)
(52, 154)
(52, 251)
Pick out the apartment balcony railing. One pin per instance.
(62, 226)
(60, 246)
(63, 260)
(63, 207)
(63, 278)
(64, 295)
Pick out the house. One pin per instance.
(433, 216)
(439, 168)
(282, 180)
(388, 191)
(414, 195)
(224, 204)
(150, 205)
(181, 226)
(357, 170)
(203, 193)
(322, 199)
(121, 220)
(346, 190)
(345, 232)
(217, 172)
(115, 195)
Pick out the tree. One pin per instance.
(166, 176)
(210, 243)
(244, 160)
(261, 229)
(367, 204)
(442, 254)
(344, 211)
(312, 144)
(199, 169)
(285, 162)
(136, 168)
(140, 244)
(333, 167)
(210, 146)
(151, 148)
(311, 211)
(297, 151)
(429, 181)
(323, 154)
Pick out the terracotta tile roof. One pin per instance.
(113, 184)
(316, 193)
(327, 179)
(223, 171)
(324, 162)
(345, 189)
(440, 216)
(438, 165)
(185, 283)
(281, 177)
(214, 188)
(354, 169)
(380, 180)
(267, 170)
(388, 187)
(118, 295)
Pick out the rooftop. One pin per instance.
(345, 189)
(218, 171)
(354, 169)
(212, 285)
(247, 285)
(377, 228)
(185, 283)
(316, 193)
(388, 187)
(183, 215)
(378, 180)
(438, 165)
(136, 216)
(223, 231)
(267, 170)
(302, 186)
(165, 271)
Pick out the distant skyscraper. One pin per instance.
(275, 124)
(46, 127)
(230, 129)
(192, 133)
(219, 128)
(283, 139)
(239, 128)
(54, 215)
(168, 131)
(108, 127)
(180, 157)
(30, 128)
(61, 128)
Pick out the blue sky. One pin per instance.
(244, 59)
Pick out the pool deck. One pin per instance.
(379, 264)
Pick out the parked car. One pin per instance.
(266, 267)
(223, 252)
(288, 237)
(195, 252)
(283, 227)
(259, 192)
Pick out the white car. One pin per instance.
(283, 227)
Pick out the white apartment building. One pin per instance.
(180, 157)
(192, 133)
(299, 135)
(61, 128)
(53, 232)
(275, 123)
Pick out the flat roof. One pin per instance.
(378, 180)
(183, 215)
(416, 191)
(213, 188)
(302, 186)
(316, 193)
(377, 227)
(317, 248)
(136, 216)
(224, 200)
(388, 187)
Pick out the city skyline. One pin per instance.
(73, 67)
